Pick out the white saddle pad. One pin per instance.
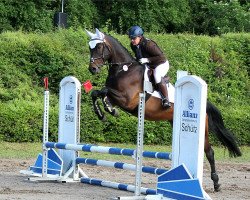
(170, 87)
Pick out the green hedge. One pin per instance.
(26, 58)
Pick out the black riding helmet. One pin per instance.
(135, 31)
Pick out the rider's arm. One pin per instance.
(156, 55)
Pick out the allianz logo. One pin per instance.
(189, 114)
(69, 107)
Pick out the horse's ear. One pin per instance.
(99, 34)
(91, 35)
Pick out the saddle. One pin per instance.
(152, 79)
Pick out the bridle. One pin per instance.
(104, 58)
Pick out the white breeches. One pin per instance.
(160, 71)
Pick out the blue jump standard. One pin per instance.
(120, 165)
(109, 150)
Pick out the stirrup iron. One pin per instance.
(165, 103)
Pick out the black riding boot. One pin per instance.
(164, 93)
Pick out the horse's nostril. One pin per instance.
(93, 70)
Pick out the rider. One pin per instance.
(147, 52)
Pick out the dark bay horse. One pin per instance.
(125, 82)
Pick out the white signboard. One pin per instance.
(189, 124)
(69, 117)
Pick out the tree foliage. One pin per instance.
(210, 17)
(27, 15)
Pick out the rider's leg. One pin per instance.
(159, 72)
(164, 93)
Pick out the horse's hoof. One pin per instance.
(217, 188)
(115, 112)
(104, 118)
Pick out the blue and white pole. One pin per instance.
(120, 165)
(108, 150)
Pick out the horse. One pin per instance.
(123, 85)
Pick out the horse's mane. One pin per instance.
(119, 43)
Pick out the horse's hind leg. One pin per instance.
(214, 176)
(210, 157)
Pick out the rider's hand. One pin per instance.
(143, 60)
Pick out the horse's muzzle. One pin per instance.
(94, 70)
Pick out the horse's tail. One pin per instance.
(216, 125)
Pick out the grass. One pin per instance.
(31, 150)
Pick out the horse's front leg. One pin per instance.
(97, 109)
(108, 107)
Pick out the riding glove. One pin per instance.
(143, 60)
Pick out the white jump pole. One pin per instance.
(139, 149)
(45, 126)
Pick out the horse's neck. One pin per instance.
(119, 52)
(118, 77)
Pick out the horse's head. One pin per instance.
(100, 52)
